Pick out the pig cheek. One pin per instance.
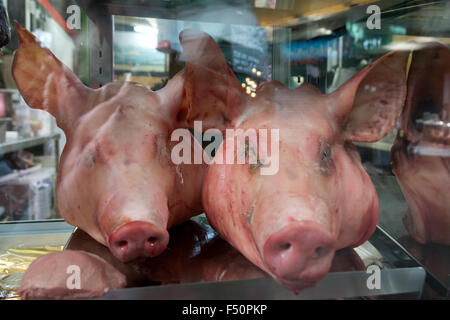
(357, 201)
(76, 202)
(98, 184)
(228, 197)
(323, 181)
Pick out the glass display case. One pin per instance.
(391, 57)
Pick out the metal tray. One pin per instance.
(399, 275)
(337, 285)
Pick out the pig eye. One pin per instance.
(256, 165)
(326, 159)
(326, 154)
(248, 149)
(250, 214)
(250, 155)
(89, 159)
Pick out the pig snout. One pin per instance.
(299, 254)
(138, 239)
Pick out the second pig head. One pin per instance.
(315, 196)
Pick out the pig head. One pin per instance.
(421, 154)
(116, 180)
(315, 196)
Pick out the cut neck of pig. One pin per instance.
(116, 180)
(320, 199)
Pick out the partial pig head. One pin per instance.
(318, 198)
(421, 154)
(116, 180)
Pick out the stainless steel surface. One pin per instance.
(334, 286)
(35, 228)
(33, 240)
(399, 274)
(16, 145)
(67, 244)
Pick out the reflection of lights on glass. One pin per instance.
(147, 35)
(258, 73)
(248, 90)
(324, 31)
(143, 28)
(253, 95)
(243, 85)
(254, 70)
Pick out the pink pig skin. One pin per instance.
(425, 179)
(47, 277)
(321, 199)
(116, 179)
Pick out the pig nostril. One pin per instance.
(320, 251)
(122, 244)
(285, 246)
(152, 240)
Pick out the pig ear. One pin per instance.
(171, 97)
(45, 82)
(212, 91)
(428, 89)
(367, 106)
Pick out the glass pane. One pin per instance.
(355, 92)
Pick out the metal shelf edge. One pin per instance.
(333, 286)
(26, 143)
